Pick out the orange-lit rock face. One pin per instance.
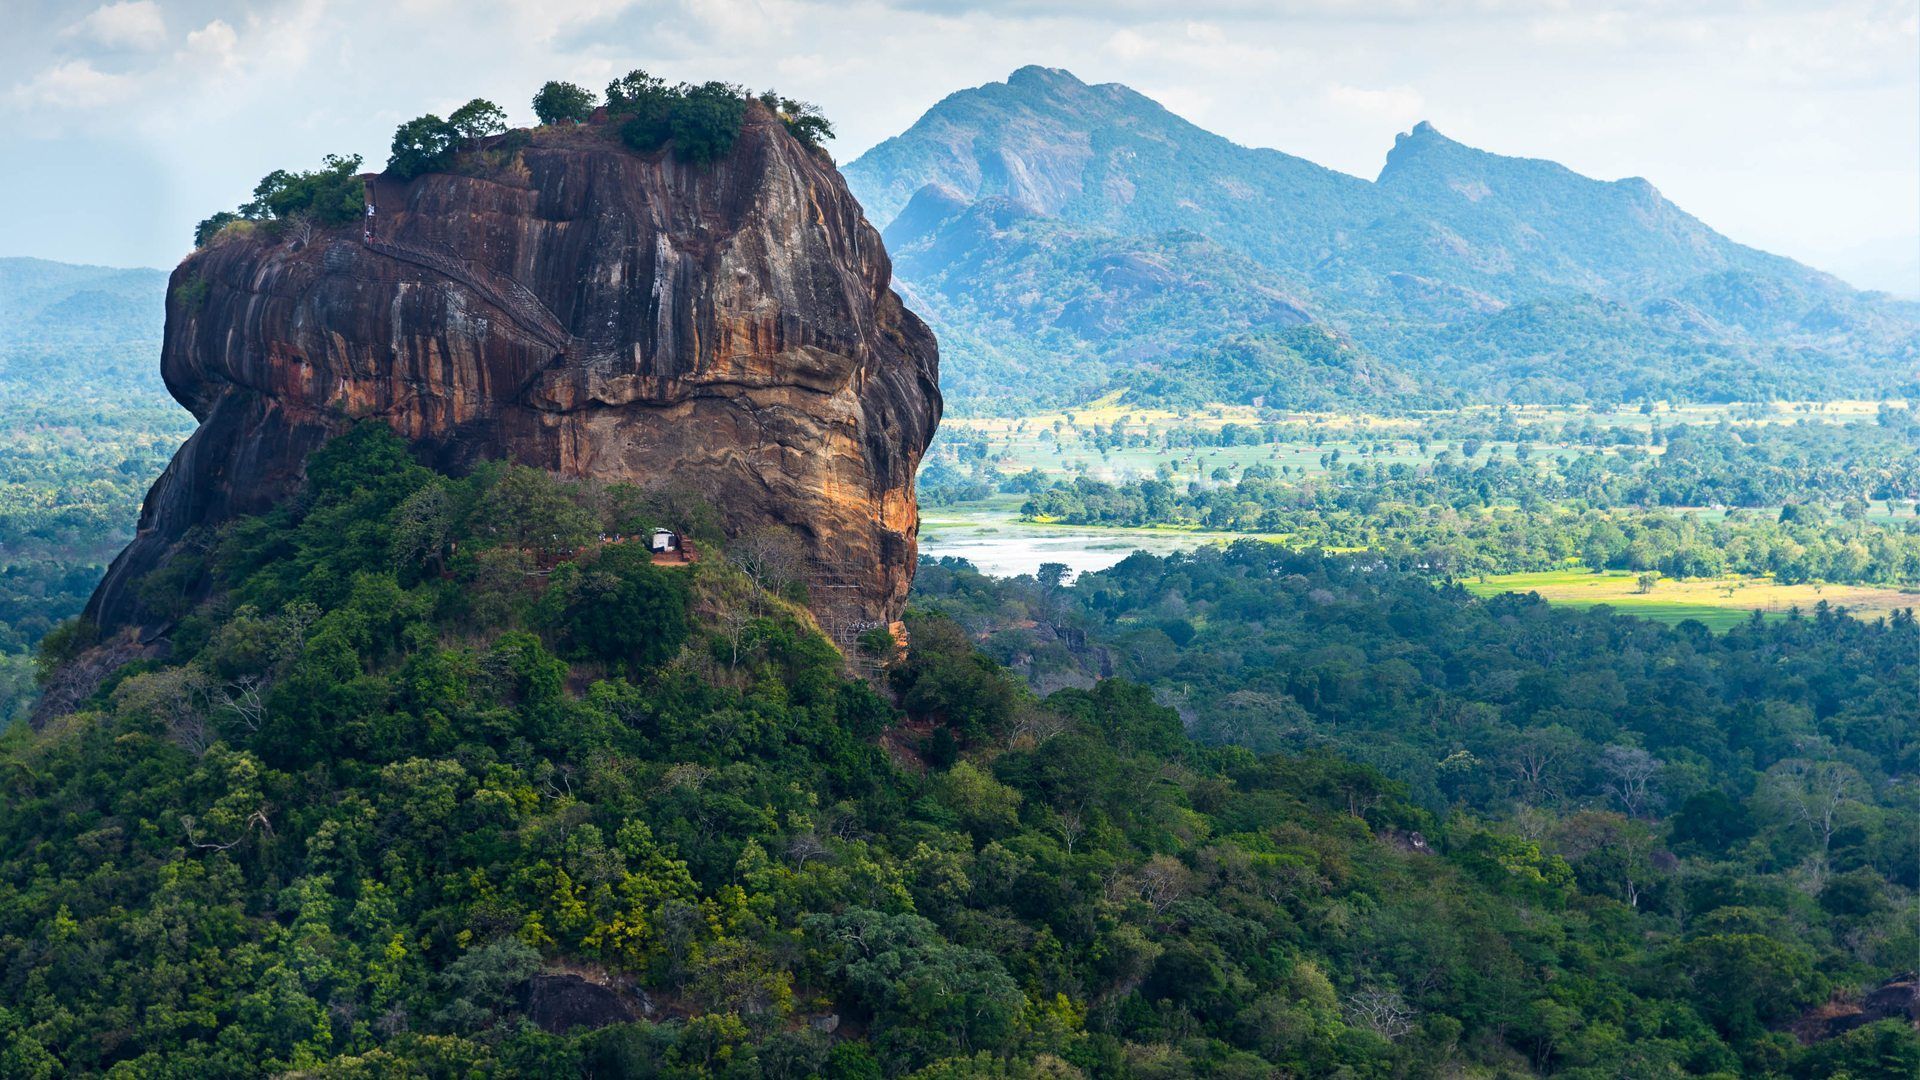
(591, 311)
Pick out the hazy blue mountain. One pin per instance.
(1096, 309)
(31, 285)
(1107, 156)
(1024, 217)
(67, 329)
(1505, 224)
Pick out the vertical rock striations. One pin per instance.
(584, 309)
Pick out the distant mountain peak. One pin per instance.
(1425, 136)
(1070, 100)
(1036, 75)
(1425, 149)
(1063, 147)
(1422, 144)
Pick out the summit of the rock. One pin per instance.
(726, 328)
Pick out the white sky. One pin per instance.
(1787, 124)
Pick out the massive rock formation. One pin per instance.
(584, 309)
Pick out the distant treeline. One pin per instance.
(1802, 545)
(1800, 504)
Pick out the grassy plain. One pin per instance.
(1717, 602)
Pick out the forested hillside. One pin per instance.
(1069, 229)
(1751, 784)
(1092, 304)
(398, 804)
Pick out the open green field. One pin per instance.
(1717, 602)
(1112, 407)
(991, 536)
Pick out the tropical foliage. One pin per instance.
(331, 195)
(367, 816)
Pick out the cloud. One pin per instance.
(214, 43)
(131, 24)
(1330, 10)
(1128, 44)
(1194, 46)
(744, 21)
(1398, 105)
(76, 84)
(1586, 28)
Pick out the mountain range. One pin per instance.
(1068, 239)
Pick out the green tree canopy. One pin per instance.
(562, 102)
(622, 610)
(634, 89)
(423, 145)
(707, 120)
(802, 118)
(478, 119)
(331, 195)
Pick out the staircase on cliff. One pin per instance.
(527, 311)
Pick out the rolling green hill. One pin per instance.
(1097, 308)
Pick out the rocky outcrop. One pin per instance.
(1896, 999)
(584, 309)
(559, 1002)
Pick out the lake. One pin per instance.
(992, 538)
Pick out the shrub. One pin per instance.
(1743, 982)
(209, 228)
(484, 982)
(333, 194)
(423, 145)
(700, 121)
(636, 88)
(560, 102)
(802, 118)
(648, 129)
(944, 678)
(193, 292)
(531, 508)
(928, 996)
(878, 642)
(64, 642)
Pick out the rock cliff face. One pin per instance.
(583, 309)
